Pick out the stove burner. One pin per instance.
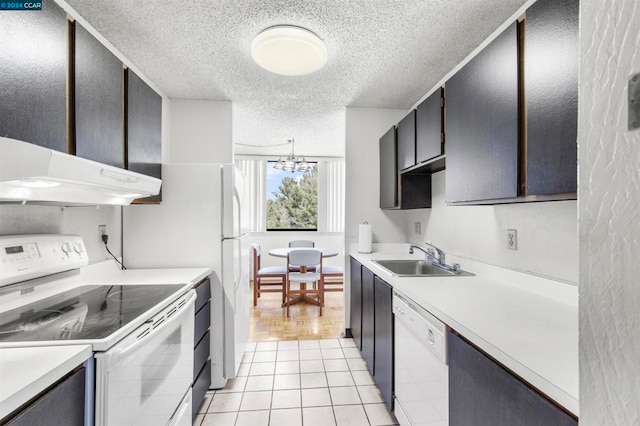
(45, 317)
(34, 321)
(137, 293)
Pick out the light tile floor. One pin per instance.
(295, 383)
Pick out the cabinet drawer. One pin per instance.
(201, 354)
(200, 387)
(203, 291)
(202, 322)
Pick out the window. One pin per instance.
(292, 199)
(262, 182)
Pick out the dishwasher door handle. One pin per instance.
(430, 337)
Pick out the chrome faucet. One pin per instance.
(430, 253)
(435, 255)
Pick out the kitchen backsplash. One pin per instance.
(547, 233)
(83, 221)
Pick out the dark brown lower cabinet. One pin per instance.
(356, 303)
(383, 348)
(61, 404)
(368, 319)
(484, 393)
(201, 350)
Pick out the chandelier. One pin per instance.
(292, 163)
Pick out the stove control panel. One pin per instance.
(24, 257)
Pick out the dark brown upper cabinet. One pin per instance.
(406, 134)
(143, 130)
(33, 66)
(98, 100)
(551, 49)
(388, 171)
(482, 124)
(429, 127)
(400, 191)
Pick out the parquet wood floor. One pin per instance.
(269, 320)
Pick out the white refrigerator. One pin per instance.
(200, 224)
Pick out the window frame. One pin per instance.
(269, 165)
(331, 194)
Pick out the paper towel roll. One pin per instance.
(365, 238)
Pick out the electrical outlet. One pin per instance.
(512, 239)
(102, 229)
(418, 228)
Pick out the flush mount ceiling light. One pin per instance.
(289, 50)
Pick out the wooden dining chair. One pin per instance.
(301, 243)
(332, 278)
(270, 279)
(303, 259)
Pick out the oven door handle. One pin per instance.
(120, 353)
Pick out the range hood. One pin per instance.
(31, 173)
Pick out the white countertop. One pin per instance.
(109, 272)
(528, 323)
(25, 372)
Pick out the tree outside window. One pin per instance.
(292, 199)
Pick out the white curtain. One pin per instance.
(331, 196)
(256, 175)
(330, 193)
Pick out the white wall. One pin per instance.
(200, 132)
(365, 126)
(609, 214)
(318, 129)
(547, 233)
(83, 221)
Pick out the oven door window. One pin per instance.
(142, 379)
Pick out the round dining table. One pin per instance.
(284, 252)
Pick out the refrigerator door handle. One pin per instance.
(236, 198)
(238, 280)
(237, 230)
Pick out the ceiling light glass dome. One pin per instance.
(289, 50)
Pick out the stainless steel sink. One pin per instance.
(418, 268)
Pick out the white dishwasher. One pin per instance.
(421, 372)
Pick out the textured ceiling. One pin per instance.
(382, 53)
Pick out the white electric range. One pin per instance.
(139, 324)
